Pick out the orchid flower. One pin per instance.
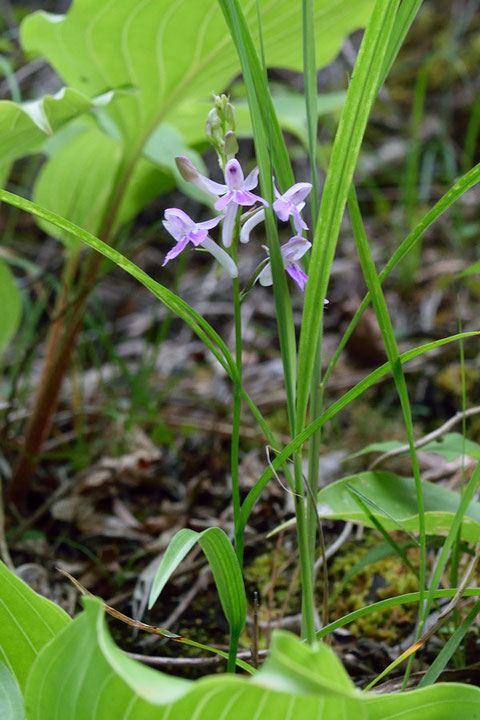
(184, 230)
(291, 251)
(290, 203)
(236, 192)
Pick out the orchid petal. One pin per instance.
(245, 197)
(221, 256)
(229, 224)
(251, 180)
(298, 221)
(234, 175)
(222, 202)
(265, 277)
(209, 224)
(197, 236)
(176, 250)
(282, 208)
(298, 192)
(250, 223)
(294, 249)
(298, 275)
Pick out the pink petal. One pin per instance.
(176, 250)
(209, 224)
(294, 249)
(251, 180)
(222, 202)
(250, 223)
(198, 235)
(234, 175)
(229, 224)
(244, 197)
(298, 192)
(265, 277)
(298, 275)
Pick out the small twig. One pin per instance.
(427, 438)
(191, 662)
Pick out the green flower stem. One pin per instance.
(237, 402)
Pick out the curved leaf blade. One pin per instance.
(28, 622)
(82, 674)
(61, 185)
(11, 701)
(137, 44)
(224, 564)
(25, 126)
(393, 502)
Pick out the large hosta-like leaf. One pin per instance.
(28, 621)
(392, 500)
(172, 51)
(77, 180)
(24, 127)
(83, 674)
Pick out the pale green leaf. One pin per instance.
(27, 623)
(82, 674)
(451, 446)
(25, 126)
(173, 51)
(10, 304)
(289, 106)
(438, 702)
(378, 447)
(223, 561)
(394, 504)
(11, 701)
(77, 180)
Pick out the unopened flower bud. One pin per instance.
(229, 116)
(187, 170)
(230, 145)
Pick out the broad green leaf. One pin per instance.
(335, 408)
(451, 446)
(82, 674)
(394, 504)
(380, 447)
(289, 106)
(173, 51)
(225, 568)
(438, 702)
(11, 701)
(11, 305)
(25, 126)
(28, 622)
(77, 180)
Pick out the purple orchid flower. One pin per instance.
(291, 251)
(290, 203)
(184, 230)
(236, 192)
